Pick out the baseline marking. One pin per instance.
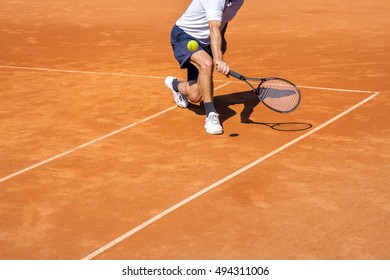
(221, 181)
(78, 72)
(151, 77)
(339, 89)
(92, 141)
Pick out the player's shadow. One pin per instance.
(250, 101)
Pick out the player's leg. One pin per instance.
(204, 64)
(205, 86)
(190, 88)
(192, 91)
(179, 40)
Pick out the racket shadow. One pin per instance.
(250, 101)
(285, 126)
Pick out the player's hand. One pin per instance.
(222, 67)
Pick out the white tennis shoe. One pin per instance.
(179, 98)
(212, 124)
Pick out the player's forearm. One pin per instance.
(216, 42)
(224, 42)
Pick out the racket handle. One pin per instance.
(236, 75)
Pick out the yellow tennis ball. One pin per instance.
(192, 45)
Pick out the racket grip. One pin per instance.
(236, 75)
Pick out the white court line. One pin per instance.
(92, 141)
(151, 77)
(338, 89)
(221, 181)
(78, 72)
(84, 145)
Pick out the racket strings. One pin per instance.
(279, 95)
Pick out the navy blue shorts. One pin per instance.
(179, 41)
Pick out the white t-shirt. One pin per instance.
(195, 19)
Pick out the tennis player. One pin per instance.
(204, 21)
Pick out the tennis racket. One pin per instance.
(277, 94)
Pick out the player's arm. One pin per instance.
(216, 38)
(224, 42)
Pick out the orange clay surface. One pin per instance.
(68, 187)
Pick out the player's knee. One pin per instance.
(196, 98)
(193, 92)
(207, 67)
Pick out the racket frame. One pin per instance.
(262, 80)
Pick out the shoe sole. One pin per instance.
(214, 132)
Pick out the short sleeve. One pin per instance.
(214, 9)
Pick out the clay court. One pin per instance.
(97, 161)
